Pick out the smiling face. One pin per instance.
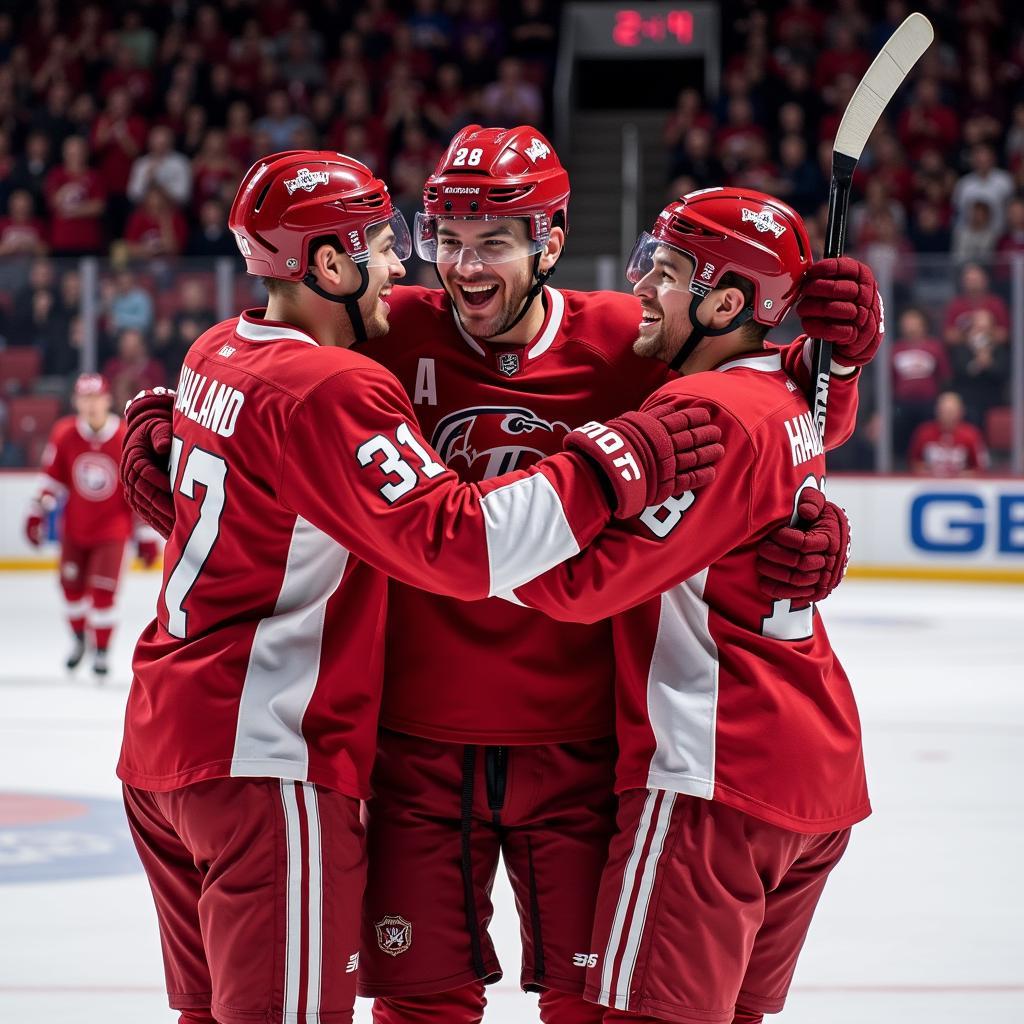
(487, 268)
(383, 269)
(664, 301)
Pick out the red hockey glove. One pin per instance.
(806, 563)
(147, 447)
(647, 457)
(34, 526)
(840, 303)
(147, 551)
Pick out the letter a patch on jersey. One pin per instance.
(394, 935)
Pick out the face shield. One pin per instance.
(388, 239)
(668, 267)
(483, 239)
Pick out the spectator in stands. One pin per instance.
(1012, 242)
(210, 237)
(974, 238)
(280, 122)
(239, 133)
(431, 27)
(699, 159)
(929, 231)
(886, 247)
(42, 276)
(125, 73)
(974, 294)
(800, 183)
(12, 454)
(733, 138)
(128, 306)
(444, 106)
(531, 34)
(156, 228)
(927, 122)
(163, 166)
(22, 236)
(876, 204)
(1015, 138)
(947, 446)
(512, 99)
(920, 371)
(30, 169)
(214, 168)
(194, 315)
(77, 202)
(981, 365)
(985, 183)
(133, 369)
(55, 120)
(193, 132)
(117, 140)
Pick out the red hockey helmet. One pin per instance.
(491, 174)
(91, 384)
(286, 200)
(730, 229)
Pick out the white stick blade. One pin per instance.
(886, 74)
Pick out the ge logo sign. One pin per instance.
(964, 522)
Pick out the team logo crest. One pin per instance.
(394, 935)
(307, 180)
(95, 476)
(764, 220)
(508, 363)
(486, 441)
(537, 150)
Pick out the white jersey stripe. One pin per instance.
(682, 693)
(643, 900)
(527, 532)
(554, 324)
(284, 661)
(625, 892)
(315, 942)
(293, 902)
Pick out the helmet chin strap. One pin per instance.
(540, 278)
(350, 301)
(700, 332)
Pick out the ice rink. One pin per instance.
(921, 921)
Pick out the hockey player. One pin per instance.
(80, 469)
(300, 477)
(497, 365)
(497, 369)
(740, 769)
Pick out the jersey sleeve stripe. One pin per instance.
(284, 661)
(527, 532)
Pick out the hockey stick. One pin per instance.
(886, 74)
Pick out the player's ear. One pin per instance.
(334, 266)
(553, 249)
(728, 304)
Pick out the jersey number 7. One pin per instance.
(210, 472)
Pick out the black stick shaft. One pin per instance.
(835, 245)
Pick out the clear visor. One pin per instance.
(484, 239)
(387, 240)
(667, 266)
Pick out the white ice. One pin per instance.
(921, 921)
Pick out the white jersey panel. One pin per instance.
(682, 693)
(284, 662)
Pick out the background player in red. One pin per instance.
(497, 366)
(300, 477)
(80, 468)
(740, 769)
(947, 445)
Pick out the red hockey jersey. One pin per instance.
(300, 479)
(487, 671)
(80, 463)
(723, 693)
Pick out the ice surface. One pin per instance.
(920, 922)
